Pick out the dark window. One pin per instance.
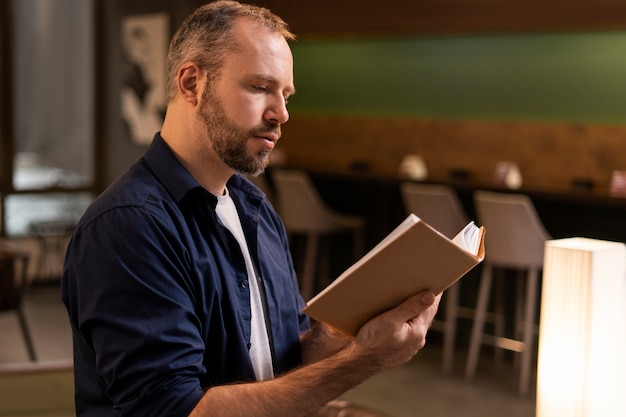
(47, 128)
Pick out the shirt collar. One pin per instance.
(168, 169)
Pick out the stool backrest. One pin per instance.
(438, 205)
(299, 203)
(515, 234)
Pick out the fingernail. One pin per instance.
(428, 298)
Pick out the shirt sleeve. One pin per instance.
(133, 305)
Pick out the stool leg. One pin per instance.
(28, 340)
(479, 321)
(449, 327)
(358, 243)
(307, 279)
(322, 275)
(529, 324)
(521, 282)
(499, 322)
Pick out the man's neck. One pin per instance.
(210, 171)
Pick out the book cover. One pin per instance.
(411, 259)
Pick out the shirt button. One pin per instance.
(243, 284)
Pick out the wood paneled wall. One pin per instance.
(548, 154)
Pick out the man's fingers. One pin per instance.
(427, 298)
(414, 306)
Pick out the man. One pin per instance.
(178, 281)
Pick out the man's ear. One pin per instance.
(188, 82)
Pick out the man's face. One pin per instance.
(243, 109)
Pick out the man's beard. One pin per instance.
(230, 141)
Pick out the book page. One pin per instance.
(469, 238)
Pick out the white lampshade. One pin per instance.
(582, 338)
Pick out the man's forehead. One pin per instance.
(263, 53)
(249, 32)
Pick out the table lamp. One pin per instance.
(582, 337)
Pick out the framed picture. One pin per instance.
(132, 38)
(143, 94)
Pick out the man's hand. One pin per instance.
(395, 336)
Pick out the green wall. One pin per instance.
(578, 77)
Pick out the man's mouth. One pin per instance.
(270, 138)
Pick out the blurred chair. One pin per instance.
(439, 206)
(515, 241)
(304, 213)
(13, 282)
(52, 237)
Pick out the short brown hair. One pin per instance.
(206, 36)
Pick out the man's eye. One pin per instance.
(259, 87)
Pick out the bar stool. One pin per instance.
(52, 236)
(439, 206)
(13, 283)
(304, 213)
(515, 241)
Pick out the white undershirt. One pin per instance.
(259, 351)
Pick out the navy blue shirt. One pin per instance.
(157, 291)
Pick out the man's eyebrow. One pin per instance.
(291, 90)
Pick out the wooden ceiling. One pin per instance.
(324, 18)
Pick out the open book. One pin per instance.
(412, 258)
